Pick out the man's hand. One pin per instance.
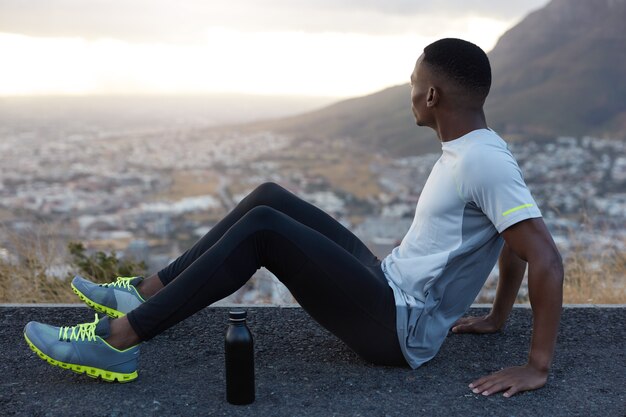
(525, 242)
(483, 324)
(513, 380)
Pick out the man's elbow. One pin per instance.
(549, 264)
(545, 278)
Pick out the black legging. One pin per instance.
(328, 270)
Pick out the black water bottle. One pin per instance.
(239, 352)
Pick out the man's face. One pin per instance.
(419, 91)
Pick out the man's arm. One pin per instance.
(531, 242)
(512, 269)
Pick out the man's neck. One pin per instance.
(454, 125)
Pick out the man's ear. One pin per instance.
(432, 97)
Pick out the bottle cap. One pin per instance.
(237, 315)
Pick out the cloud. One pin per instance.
(188, 21)
(452, 8)
(311, 47)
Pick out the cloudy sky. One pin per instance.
(285, 47)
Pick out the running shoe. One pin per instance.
(82, 349)
(115, 299)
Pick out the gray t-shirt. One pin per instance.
(474, 192)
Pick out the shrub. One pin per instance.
(103, 267)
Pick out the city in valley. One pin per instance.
(148, 192)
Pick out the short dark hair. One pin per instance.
(462, 62)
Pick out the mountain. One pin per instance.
(560, 71)
(382, 120)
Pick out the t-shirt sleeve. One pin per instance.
(494, 182)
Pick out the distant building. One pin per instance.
(138, 250)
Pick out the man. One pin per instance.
(396, 311)
(474, 198)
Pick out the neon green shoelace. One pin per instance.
(80, 331)
(122, 282)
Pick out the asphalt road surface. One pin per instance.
(302, 370)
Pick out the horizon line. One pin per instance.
(181, 94)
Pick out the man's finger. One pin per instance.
(511, 391)
(461, 328)
(479, 381)
(462, 320)
(495, 387)
(480, 384)
(487, 386)
(456, 329)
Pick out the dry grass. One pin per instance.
(6, 215)
(351, 175)
(20, 286)
(602, 283)
(25, 278)
(190, 184)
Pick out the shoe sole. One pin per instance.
(98, 307)
(105, 375)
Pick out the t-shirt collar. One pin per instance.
(465, 138)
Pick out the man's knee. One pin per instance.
(269, 188)
(268, 193)
(263, 216)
